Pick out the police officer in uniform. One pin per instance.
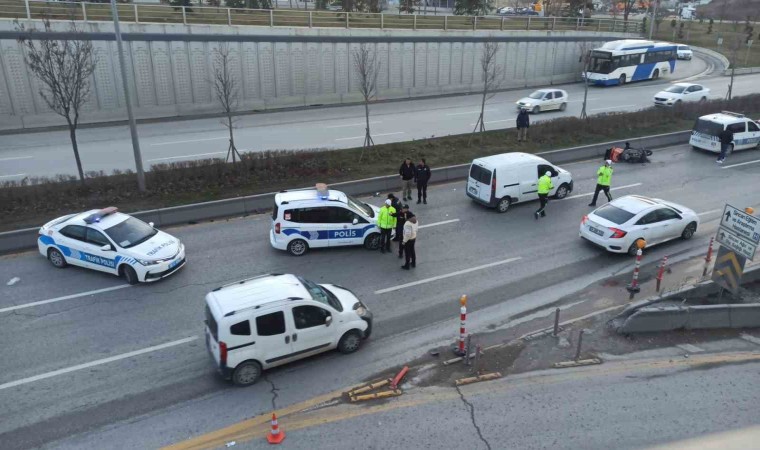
(603, 182)
(401, 217)
(544, 187)
(386, 221)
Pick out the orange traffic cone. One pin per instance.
(275, 436)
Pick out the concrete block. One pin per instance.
(708, 317)
(203, 211)
(652, 319)
(745, 316)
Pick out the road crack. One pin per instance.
(273, 391)
(471, 408)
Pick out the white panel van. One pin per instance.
(499, 181)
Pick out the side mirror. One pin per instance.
(106, 248)
(328, 321)
(151, 224)
(355, 221)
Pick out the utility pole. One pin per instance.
(128, 100)
(654, 18)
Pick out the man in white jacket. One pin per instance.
(410, 237)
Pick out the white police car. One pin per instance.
(706, 132)
(112, 242)
(320, 217)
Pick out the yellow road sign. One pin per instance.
(728, 270)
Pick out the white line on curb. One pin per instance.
(471, 112)
(612, 107)
(353, 125)
(587, 194)
(98, 362)
(186, 156)
(448, 275)
(16, 157)
(689, 348)
(14, 175)
(373, 135)
(65, 297)
(191, 140)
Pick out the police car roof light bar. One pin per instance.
(322, 191)
(95, 217)
(729, 113)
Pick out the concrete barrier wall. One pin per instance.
(13, 241)
(170, 67)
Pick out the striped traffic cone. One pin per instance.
(275, 436)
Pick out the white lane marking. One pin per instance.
(471, 112)
(612, 107)
(741, 164)
(98, 362)
(65, 297)
(191, 140)
(353, 125)
(712, 211)
(186, 156)
(611, 189)
(14, 175)
(448, 275)
(689, 348)
(496, 121)
(16, 157)
(435, 224)
(13, 281)
(750, 338)
(373, 135)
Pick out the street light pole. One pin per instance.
(654, 18)
(128, 100)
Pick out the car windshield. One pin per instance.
(536, 95)
(708, 127)
(131, 232)
(360, 206)
(320, 294)
(613, 214)
(675, 89)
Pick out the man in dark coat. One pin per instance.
(422, 176)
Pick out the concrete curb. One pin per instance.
(25, 239)
(714, 55)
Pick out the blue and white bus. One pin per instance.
(620, 62)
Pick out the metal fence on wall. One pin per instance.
(143, 13)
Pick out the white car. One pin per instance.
(684, 52)
(544, 100)
(681, 92)
(109, 241)
(617, 225)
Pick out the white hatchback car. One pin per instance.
(680, 93)
(617, 225)
(111, 242)
(684, 52)
(544, 100)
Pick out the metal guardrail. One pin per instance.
(18, 240)
(189, 15)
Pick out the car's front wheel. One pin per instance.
(634, 248)
(350, 342)
(563, 106)
(56, 258)
(562, 191)
(689, 231)
(130, 275)
(536, 109)
(372, 242)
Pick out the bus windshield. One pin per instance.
(707, 127)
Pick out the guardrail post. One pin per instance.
(528, 26)
(502, 24)
(598, 25)
(382, 21)
(84, 11)
(229, 16)
(28, 11)
(347, 21)
(474, 23)
(554, 23)
(271, 18)
(614, 25)
(577, 24)
(137, 19)
(445, 22)
(184, 16)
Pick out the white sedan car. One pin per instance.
(544, 100)
(681, 92)
(617, 225)
(684, 52)
(109, 241)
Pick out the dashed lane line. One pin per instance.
(65, 297)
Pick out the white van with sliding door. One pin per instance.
(499, 181)
(271, 320)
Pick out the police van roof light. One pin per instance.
(96, 216)
(729, 113)
(322, 192)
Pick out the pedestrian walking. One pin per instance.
(603, 182)
(386, 221)
(544, 187)
(401, 217)
(726, 137)
(410, 238)
(421, 177)
(523, 123)
(407, 173)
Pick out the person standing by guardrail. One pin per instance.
(603, 182)
(407, 172)
(523, 123)
(421, 177)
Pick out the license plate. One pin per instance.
(473, 190)
(596, 231)
(174, 264)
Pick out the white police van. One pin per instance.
(707, 129)
(109, 241)
(320, 217)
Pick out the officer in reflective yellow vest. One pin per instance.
(603, 182)
(386, 221)
(544, 187)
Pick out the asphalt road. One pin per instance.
(104, 352)
(108, 148)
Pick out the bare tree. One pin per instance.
(584, 58)
(492, 77)
(735, 44)
(226, 88)
(64, 69)
(367, 67)
(627, 7)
